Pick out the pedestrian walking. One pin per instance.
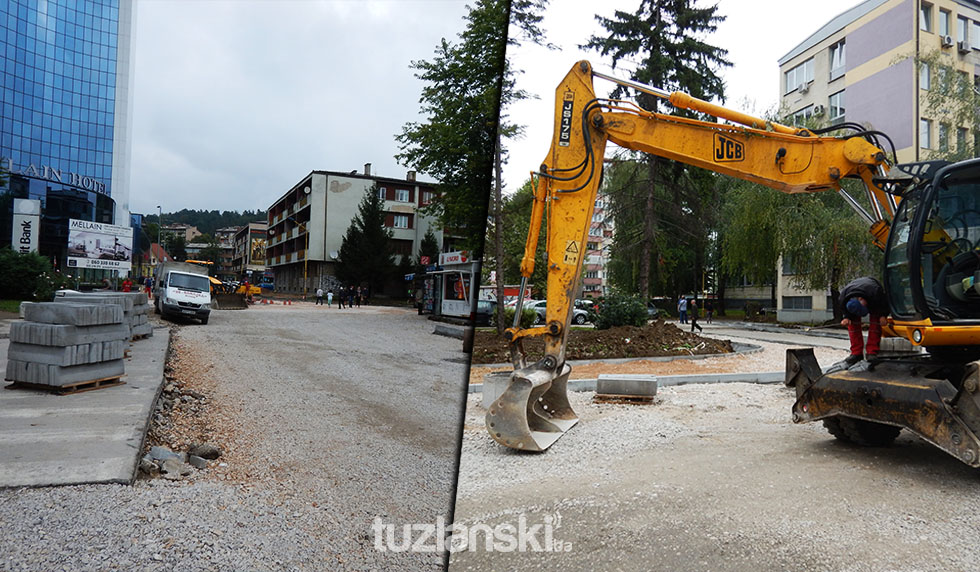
(340, 298)
(692, 310)
(319, 297)
(148, 287)
(329, 298)
(859, 298)
(682, 309)
(127, 285)
(709, 309)
(358, 297)
(350, 296)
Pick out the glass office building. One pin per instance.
(65, 80)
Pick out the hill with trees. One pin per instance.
(208, 221)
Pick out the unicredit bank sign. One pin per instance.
(461, 257)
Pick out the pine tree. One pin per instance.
(661, 39)
(428, 246)
(365, 253)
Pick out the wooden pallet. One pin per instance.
(625, 399)
(70, 388)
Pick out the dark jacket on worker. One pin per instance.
(869, 289)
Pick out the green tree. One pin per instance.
(952, 103)
(822, 242)
(461, 103)
(365, 253)
(28, 276)
(428, 246)
(662, 42)
(176, 246)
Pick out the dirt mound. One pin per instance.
(655, 340)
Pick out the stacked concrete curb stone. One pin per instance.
(135, 306)
(64, 345)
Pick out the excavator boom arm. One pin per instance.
(787, 159)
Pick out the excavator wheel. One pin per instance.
(861, 432)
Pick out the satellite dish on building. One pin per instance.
(334, 254)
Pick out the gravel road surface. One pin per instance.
(714, 477)
(329, 418)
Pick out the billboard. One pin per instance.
(99, 245)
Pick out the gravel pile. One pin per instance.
(327, 419)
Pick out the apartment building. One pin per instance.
(878, 64)
(594, 278)
(307, 224)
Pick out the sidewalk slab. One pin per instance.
(89, 437)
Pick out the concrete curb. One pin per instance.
(667, 380)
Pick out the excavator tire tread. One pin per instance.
(861, 432)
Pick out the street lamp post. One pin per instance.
(159, 222)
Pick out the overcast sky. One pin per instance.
(756, 34)
(236, 101)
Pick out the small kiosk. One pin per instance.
(456, 286)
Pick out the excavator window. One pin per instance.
(950, 245)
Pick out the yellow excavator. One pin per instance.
(925, 216)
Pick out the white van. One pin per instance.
(182, 289)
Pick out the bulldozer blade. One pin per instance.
(901, 394)
(230, 301)
(533, 412)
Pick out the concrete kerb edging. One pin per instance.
(156, 397)
(740, 349)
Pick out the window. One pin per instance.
(944, 137)
(591, 273)
(427, 197)
(592, 246)
(961, 28)
(924, 76)
(799, 118)
(400, 221)
(597, 217)
(925, 17)
(382, 193)
(962, 87)
(837, 61)
(598, 203)
(944, 22)
(799, 75)
(837, 106)
(595, 231)
(401, 195)
(925, 127)
(975, 35)
(961, 134)
(797, 303)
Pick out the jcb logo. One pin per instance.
(728, 149)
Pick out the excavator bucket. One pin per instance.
(533, 412)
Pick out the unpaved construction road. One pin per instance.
(715, 477)
(328, 418)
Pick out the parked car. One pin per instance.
(579, 316)
(486, 313)
(654, 313)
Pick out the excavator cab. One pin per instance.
(935, 237)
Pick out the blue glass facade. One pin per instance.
(58, 109)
